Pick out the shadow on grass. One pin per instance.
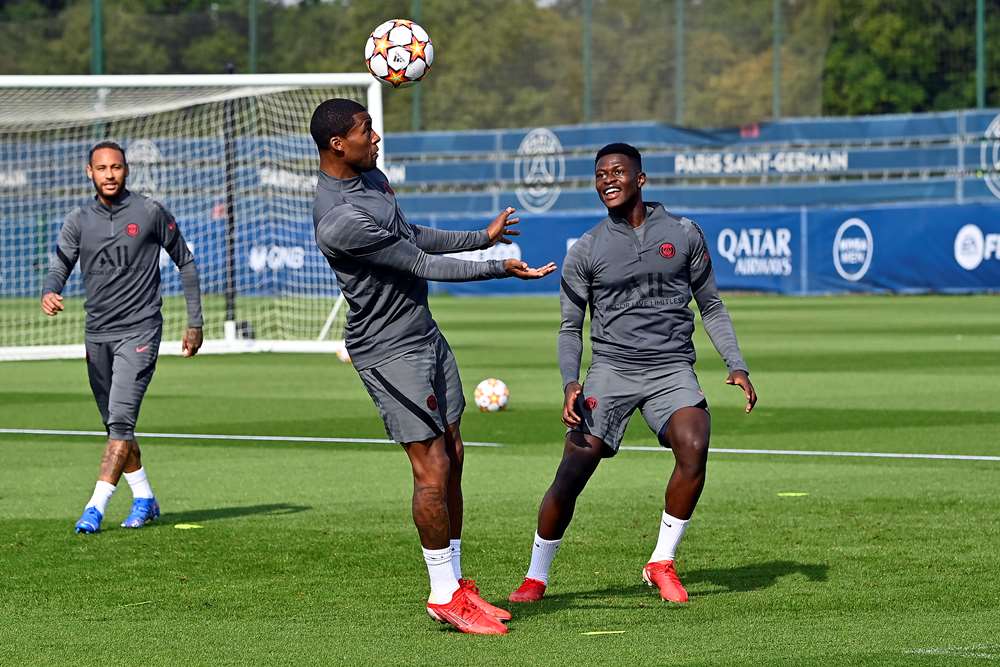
(752, 577)
(742, 579)
(195, 516)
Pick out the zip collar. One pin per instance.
(655, 212)
(341, 184)
(117, 206)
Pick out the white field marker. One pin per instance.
(806, 452)
(211, 436)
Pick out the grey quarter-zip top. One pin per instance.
(383, 263)
(118, 248)
(638, 284)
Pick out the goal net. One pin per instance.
(230, 157)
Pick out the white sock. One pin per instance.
(542, 553)
(456, 558)
(139, 484)
(102, 494)
(671, 531)
(443, 581)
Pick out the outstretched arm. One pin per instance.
(436, 241)
(715, 317)
(349, 232)
(61, 265)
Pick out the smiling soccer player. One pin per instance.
(638, 270)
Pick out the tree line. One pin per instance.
(514, 63)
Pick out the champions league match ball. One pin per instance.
(491, 395)
(399, 53)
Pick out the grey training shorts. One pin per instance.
(417, 394)
(120, 371)
(610, 396)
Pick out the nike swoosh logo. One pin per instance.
(142, 348)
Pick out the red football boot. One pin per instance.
(495, 612)
(663, 575)
(464, 614)
(531, 590)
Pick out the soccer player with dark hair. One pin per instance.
(383, 263)
(117, 239)
(638, 270)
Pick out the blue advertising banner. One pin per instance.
(945, 248)
(904, 249)
(757, 251)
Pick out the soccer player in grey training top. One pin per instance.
(638, 270)
(117, 238)
(382, 264)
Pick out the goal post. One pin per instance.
(230, 156)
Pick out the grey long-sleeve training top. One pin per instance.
(119, 252)
(383, 263)
(638, 284)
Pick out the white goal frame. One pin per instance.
(231, 342)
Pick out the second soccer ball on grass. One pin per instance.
(491, 395)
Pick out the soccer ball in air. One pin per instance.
(492, 395)
(399, 52)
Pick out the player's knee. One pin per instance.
(691, 451)
(117, 445)
(432, 471)
(571, 479)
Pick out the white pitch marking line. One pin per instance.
(801, 452)
(210, 436)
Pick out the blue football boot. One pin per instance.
(90, 522)
(144, 510)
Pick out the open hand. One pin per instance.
(519, 269)
(51, 303)
(742, 380)
(500, 229)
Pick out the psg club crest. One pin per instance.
(132, 229)
(667, 250)
(432, 402)
(590, 402)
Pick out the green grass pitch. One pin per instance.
(307, 555)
